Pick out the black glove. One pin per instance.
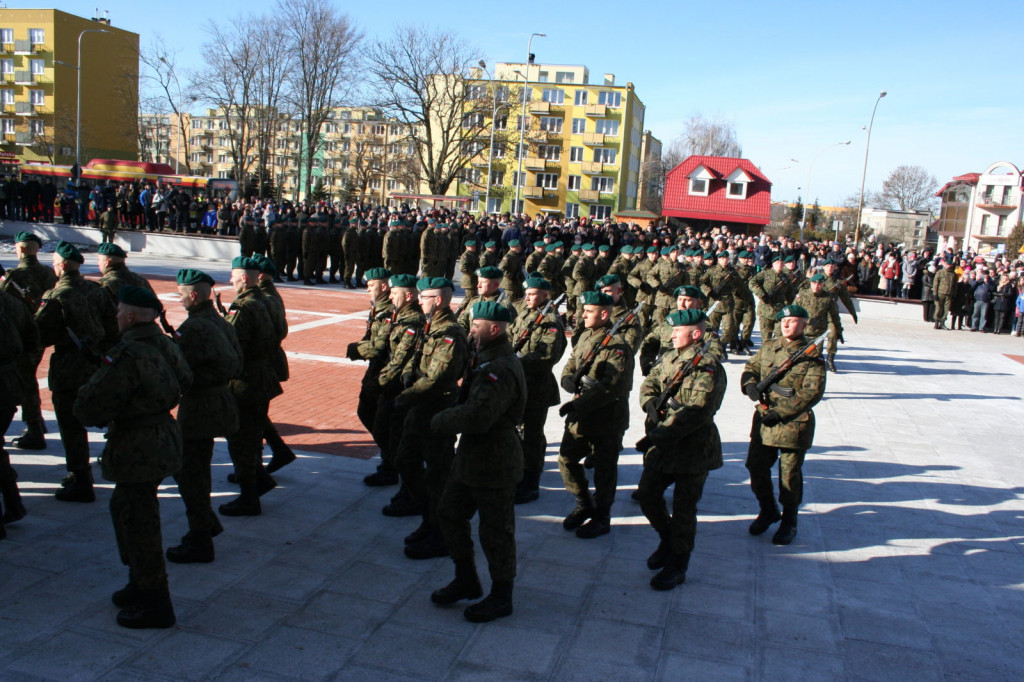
(770, 418)
(644, 444)
(567, 409)
(568, 385)
(751, 391)
(408, 378)
(651, 409)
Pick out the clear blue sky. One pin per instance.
(794, 77)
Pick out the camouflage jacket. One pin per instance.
(770, 284)
(440, 362)
(564, 273)
(601, 266)
(74, 304)
(374, 344)
(663, 279)
(512, 271)
(30, 275)
(210, 346)
(258, 339)
(806, 378)
(465, 312)
(550, 269)
(637, 278)
(583, 275)
(117, 276)
(725, 280)
(944, 284)
(539, 345)
(133, 393)
(533, 261)
(822, 310)
(275, 306)
(836, 288)
(602, 394)
(468, 266)
(686, 439)
(742, 296)
(490, 452)
(402, 334)
(18, 335)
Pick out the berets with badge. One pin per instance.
(111, 249)
(404, 280)
(139, 297)
(792, 311)
(816, 277)
(426, 283)
(190, 277)
(490, 272)
(491, 310)
(536, 282)
(69, 251)
(513, 242)
(25, 237)
(604, 248)
(690, 291)
(244, 263)
(596, 298)
(377, 273)
(606, 281)
(685, 318)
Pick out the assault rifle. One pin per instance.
(220, 306)
(23, 292)
(588, 360)
(660, 352)
(717, 291)
(467, 375)
(525, 335)
(170, 330)
(82, 346)
(784, 281)
(673, 384)
(770, 382)
(369, 322)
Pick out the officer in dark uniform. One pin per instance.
(18, 332)
(282, 454)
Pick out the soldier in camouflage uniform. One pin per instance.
(944, 287)
(682, 443)
(490, 257)
(487, 467)
(374, 348)
(208, 410)
(312, 274)
(430, 381)
(783, 424)
(396, 248)
(539, 341)
(18, 332)
(253, 389)
(719, 284)
(133, 393)
(332, 235)
(743, 305)
(551, 270)
(637, 280)
(820, 307)
(282, 455)
(664, 277)
(488, 288)
(565, 277)
(535, 257)
(246, 237)
(583, 276)
(511, 267)
(75, 305)
(596, 417)
(350, 251)
(449, 249)
(110, 258)
(27, 282)
(774, 290)
(433, 260)
(292, 248)
(468, 265)
(279, 247)
(602, 262)
(621, 267)
(836, 289)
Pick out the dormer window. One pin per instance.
(700, 180)
(737, 190)
(736, 184)
(698, 186)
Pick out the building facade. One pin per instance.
(39, 73)
(714, 191)
(903, 227)
(979, 210)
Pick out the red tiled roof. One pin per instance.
(966, 178)
(755, 209)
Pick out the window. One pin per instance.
(522, 123)
(551, 124)
(521, 150)
(576, 154)
(498, 150)
(518, 179)
(224, 175)
(737, 189)
(379, 130)
(607, 126)
(472, 176)
(611, 99)
(526, 94)
(38, 66)
(543, 77)
(346, 128)
(494, 205)
(579, 126)
(572, 210)
(517, 206)
(501, 123)
(602, 184)
(573, 183)
(698, 186)
(553, 95)
(501, 93)
(600, 212)
(604, 155)
(468, 121)
(6, 36)
(547, 180)
(222, 158)
(476, 91)
(36, 36)
(984, 223)
(37, 97)
(375, 183)
(6, 96)
(472, 147)
(550, 152)
(497, 177)
(1001, 226)
(6, 66)
(563, 76)
(8, 126)
(36, 128)
(581, 98)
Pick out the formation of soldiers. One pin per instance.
(481, 375)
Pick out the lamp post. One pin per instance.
(78, 99)
(803, 219)
(864, 174)
(525, 118)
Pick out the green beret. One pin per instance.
(408, 281)
(559, 245)
(708, 255)
(792, 311)
(576, 247)
(665, 250)
(817, 277)
(550, 248)
(604, 248)
(490, 272)
(776, 257)
(23, 237)
(489, 244)
(267, 266)
(67, 251)
(537, 283)
(434, 283)
(685, 318)
(588, 247)
(723, 254)
(652, 249)
(377, 273)
(689, 290)
(470, 242)
(606, 281)
(244, 263)
(626, 249)
(188, 276)
(394, 223)
(138, 297)
(596, 298)
(746, 254)
(491, 310)
(513, 242)
(539, 244)
(111, 249)
(789, 259)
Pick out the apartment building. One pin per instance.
(39, 75)
(979, 210)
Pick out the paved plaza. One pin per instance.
(909, 563)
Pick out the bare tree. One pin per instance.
(418, 76)
(322, 43)
(704, 137)
(274, 70)
(909, 188)
(159, 71)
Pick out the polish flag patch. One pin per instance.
(449, 340)
(493, 378)
(410, 330)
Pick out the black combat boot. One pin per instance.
(599, 524)
(264, 482)
(14, 509)
(246, 504)
(769, 515)
(497, 604)
(529, 488)
(421, 532)
(283, 455)
(402, 504)
(381, 478)
(77, 487)
(660, 555)
(466, 585)
(195, 548)
(832, 363)
(308, 282)
(430, 547)
(578, 516)
(127, 596)
(32, 437)
(787, 529)
(152, 610)
(672, 574)
(3, 531)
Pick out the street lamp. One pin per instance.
(78, 102)
(525, 118)
(864, 174)
(803, 219)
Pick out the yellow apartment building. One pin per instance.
(38, 87)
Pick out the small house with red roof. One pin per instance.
(712, 191)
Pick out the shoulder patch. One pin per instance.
(109, 360)
(553, 328)
(619, 351)
(492, 377)
(449, 339)
(410, 330)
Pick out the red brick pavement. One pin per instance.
(317, 412)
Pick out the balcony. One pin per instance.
(551, 132)
(532, 192)
(589, 196)
(9, 107)
(593, 139)
(24, 109)
(24, 139)
(991, 202)
(22, 47)
(540, 108)
(23, 78)
(596, 110)
(534, 164)
(593, 167)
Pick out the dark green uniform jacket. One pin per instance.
(210, 346)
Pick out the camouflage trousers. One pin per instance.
(73, 435)
(600, 451)
(943, 307)
(246, 445)
(681, 525)
(535, 443)
(135, 511)
(760, 460)
(767, 325)
(194, 486)
(26, 366)
(744, 323)
(722, 318)
(424, 458)
(459, 502)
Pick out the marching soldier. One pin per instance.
(599, 376)
(279, 247)
(432, 264)
(819, 306)
(395, 248)
(511, 267)
(18, 335)
(487, 467)
(583, 272)
(565, 276)
(621, 267)
(719, 284)
(282, 454)
(551, 270)
(292, 249)
(488, 288)
(490, 257)
(783, 424)
(536, 256)
(602, 262)
(664, 278)
(637, 280)
(311, 251)
(836, 289)
(449, 249)
(680, 397)
(774, 290)
(350, 252)
(743, 305)
(208, 410)
(133, 393)
(468, 265)
(110, 258)
(538, 338)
